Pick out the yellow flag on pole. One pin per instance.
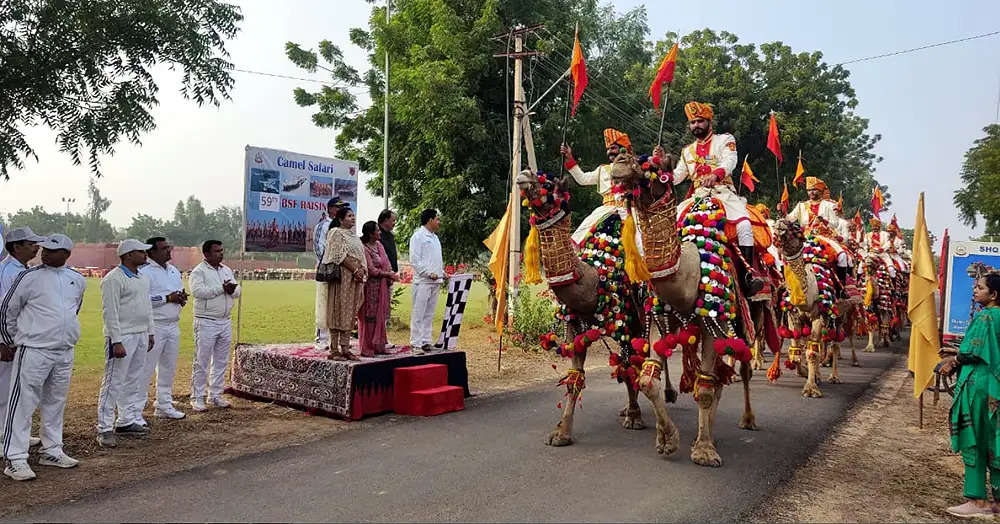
(924, 341)
(497, 242)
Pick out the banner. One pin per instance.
(286, 196)
(966, 262)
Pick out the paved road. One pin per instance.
(488, 463)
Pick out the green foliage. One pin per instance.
(979, 196)
(88, 227)
(84, 69)
(191, 225)
(533, 315)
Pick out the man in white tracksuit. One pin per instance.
(215, 292)
(128, 336)
(428, 274)
(167, 296)
(38, 321)
(21, 246)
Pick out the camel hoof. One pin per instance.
(855, 364)
(748, 422)
(558, 438)
(633, 422)
(869, 349)
(834, 379)
(705, 455)
(623, 411)
(668, 445)
(811, 392)
(670, 395)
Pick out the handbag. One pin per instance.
(328, 272)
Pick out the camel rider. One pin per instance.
(709, 162)
(895, 246)
(818, 209)
(614, 141)
(876, 242)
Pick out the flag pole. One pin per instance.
(663, 116)
(569, 100)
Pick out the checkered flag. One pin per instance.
(458, 295)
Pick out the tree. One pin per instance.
(190, 224)
(98, 229)
(226, 224)
(979, 196)
(450, 105)
(45, 223)
(84, 69)
(145, 226)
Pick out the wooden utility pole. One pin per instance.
(522, 133)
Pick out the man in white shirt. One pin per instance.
(215, 292)
(21, 247)
(428, 274)
(38, 325)
(128, 336)
(167, 296)
(319, 247)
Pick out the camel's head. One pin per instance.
(643, 175)
(625, 170)
(545, 194)
(789, 237)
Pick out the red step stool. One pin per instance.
(423, 390)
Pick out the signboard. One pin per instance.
(966, 262)
(286, 195)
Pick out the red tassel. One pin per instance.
(664, 348)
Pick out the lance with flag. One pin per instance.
(664, 75)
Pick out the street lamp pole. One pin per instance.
(67, 201)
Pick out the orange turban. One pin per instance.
(763, 210)
(614, 136)
(815, 183)
(875, 223)
(695, 110)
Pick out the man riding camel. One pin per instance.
(709, 162)
(819, 216)
(614, 142)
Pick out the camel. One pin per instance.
(810, 296)
(676, 272)
(878, 300)
(575, 285)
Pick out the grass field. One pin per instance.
(272, 311)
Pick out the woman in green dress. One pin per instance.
(974, 419)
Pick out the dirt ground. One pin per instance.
(217, 435)
(877, 465)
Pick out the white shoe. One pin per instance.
(141, 421)
(34, 441)
(198, 404)
(19, 470)
(219, 402)
(169, 412)
(58, 459)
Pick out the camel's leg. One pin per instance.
(870, 348)
(669, 392)
(703, 450)
(774, 372)
(667, 436)
(854, 357)
(813, 352)
(748, 421)
(562, 435)
(633, 416)
(801, 366)
(835, 352)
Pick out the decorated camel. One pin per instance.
(695, 299)
(878, 302)
(596, 298)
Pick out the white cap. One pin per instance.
(130, 244)
(57, 241)
(23, 233)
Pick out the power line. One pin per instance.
(287, 77)
(921, 48)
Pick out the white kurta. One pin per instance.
(827, 210)
(721, 154)
(601, 177)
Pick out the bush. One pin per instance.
(532, 316)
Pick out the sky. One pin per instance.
(929, 106)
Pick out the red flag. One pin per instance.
(665, 74)
(784, 198)
(942, 264)
(877, 201)
(578, 70)
(773, 143)
(747, 177)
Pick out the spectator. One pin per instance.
(319, 246)
(215, 292)
(39, 317)
(386, 223)
(374, 312)
(344, 296)
(21, 246)
(167, 296)
(128, 336)
(428, 270)
(974, 429)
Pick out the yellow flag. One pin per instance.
(498, 242)
(924, 341)
(799, 171)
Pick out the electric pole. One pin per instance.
(385, 128)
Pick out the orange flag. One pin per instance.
(773, 142)
(665, 74)
(878, 202)
(747, 177)
(784, 200)
(578, 70)
(799, 171)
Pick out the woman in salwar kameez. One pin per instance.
(344, 297)
(374, 312)
(974, 419)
